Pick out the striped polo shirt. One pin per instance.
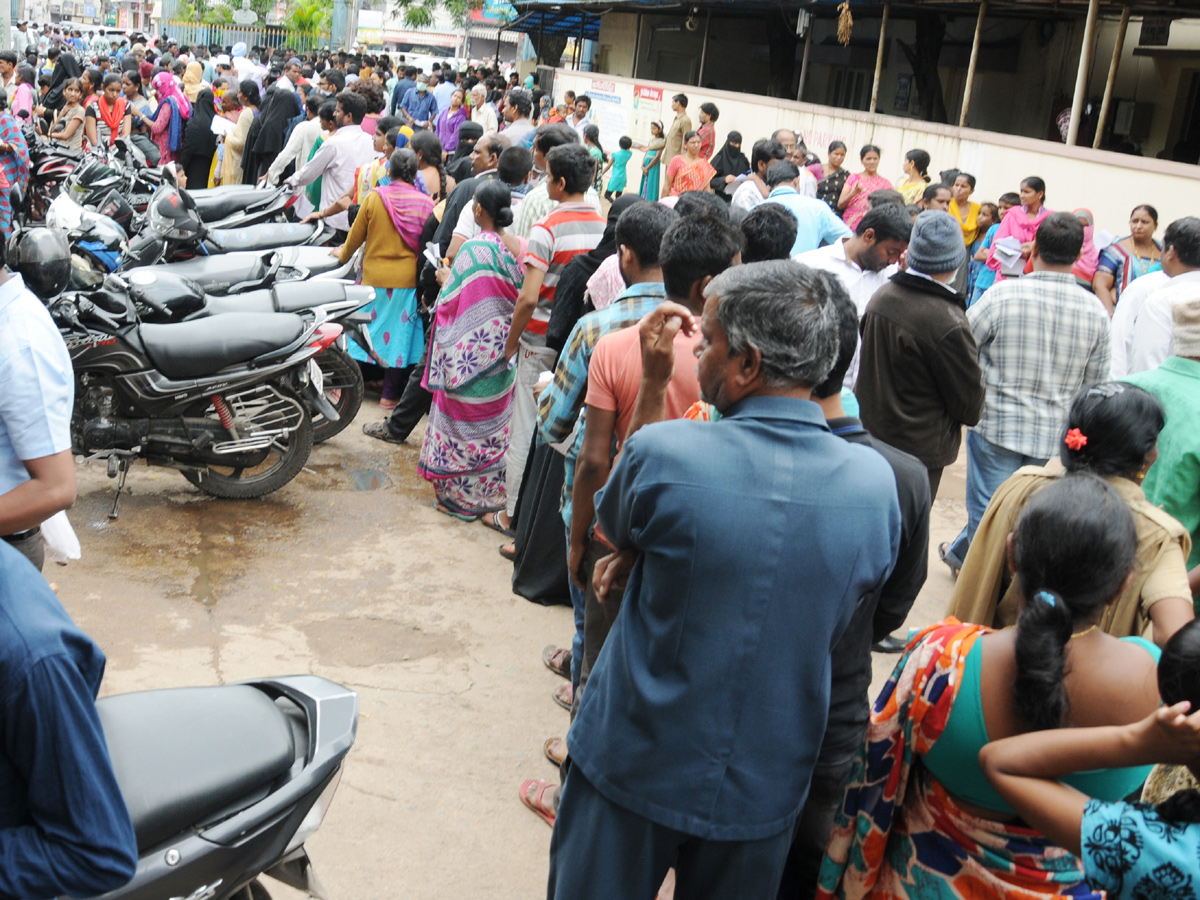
(567, 230)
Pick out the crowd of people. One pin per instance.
(711, 415)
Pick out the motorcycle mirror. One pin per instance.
(24, 114)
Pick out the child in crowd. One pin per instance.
(591, 140)
(987, 277)
(617, 180)
(989, 215)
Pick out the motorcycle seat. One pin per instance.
(260, 237)
(216, 273)
(220, 202)
(185, 755)
(293, 296)
(205, 346)
(249, 302)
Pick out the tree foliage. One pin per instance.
(310, 17)
(423, 13)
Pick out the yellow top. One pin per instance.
(388, 262)
(970, 225)
(987, 594)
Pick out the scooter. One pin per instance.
(225, 784)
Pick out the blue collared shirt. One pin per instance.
(562, 403)
(816, 223)
(37, 386)
(64, 828)
(423, 107)
(757, 536)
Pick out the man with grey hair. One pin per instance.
(748, 544)
(481, 113)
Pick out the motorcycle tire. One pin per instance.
(343, 388)
(234, 486)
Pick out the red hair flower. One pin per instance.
(1075, 439)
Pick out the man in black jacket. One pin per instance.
(919, 381)
(876, 616)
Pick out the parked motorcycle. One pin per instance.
(225, 784)
(222, 399)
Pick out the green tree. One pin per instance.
(310, 17)
(422, 13)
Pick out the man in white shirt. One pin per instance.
(340, 155)
(1152, 328)
(482, 113)
(865, 261)
(1133, 298)
(8, 70)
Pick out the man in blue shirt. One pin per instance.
(816, 222)
(403, 86)
(419, 108)
(37, 390)
(64, 827)
(755, 537)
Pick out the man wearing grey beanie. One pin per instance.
(919, 380)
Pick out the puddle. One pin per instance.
(368, 479)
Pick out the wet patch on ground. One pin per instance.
(360, 642)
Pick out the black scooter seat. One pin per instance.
(217, 203)
(182, 756)
(205, 346)
(286, 297)
(260, 237)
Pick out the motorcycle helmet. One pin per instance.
(42, 257)
(172, 216)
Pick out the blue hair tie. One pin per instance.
(1046, 597)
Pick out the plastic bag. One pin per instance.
(61, 542)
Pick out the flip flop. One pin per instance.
(557, 660)
(510, 555)
(550, 755)
(943, 548)
(379, 431)
(462, 517)
(535, 803)
(563, 695)
(494, 524)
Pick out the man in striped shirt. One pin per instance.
(571, 228)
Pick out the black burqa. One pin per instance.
(199, 143)
(540, 569)
(65, 69)
(266, 136)
(729, 160)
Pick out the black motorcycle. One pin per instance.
(225, 784)
(223, 399)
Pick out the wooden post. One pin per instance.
(804, 61)
(1112, 77)
(704, 48)
(966, 104)
(579, 46)
(1081, 78)
(887, 8)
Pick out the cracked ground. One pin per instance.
(349, 573)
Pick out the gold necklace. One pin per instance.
(1085, 631)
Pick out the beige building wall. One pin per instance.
(1110, 184)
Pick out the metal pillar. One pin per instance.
(887, 9)
(804, 61)
(704, 48)
(966, 104)
(338, 38)
(579, 45)
(1112, 78)
(637, 45)
(1081, 78)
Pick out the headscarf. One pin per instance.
(66, 69)
(198, 137)
(1089, 259)
(408, 208)
(239, 49)
(181, 109)
(145, 69)
(730, 160)
(193, 75)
